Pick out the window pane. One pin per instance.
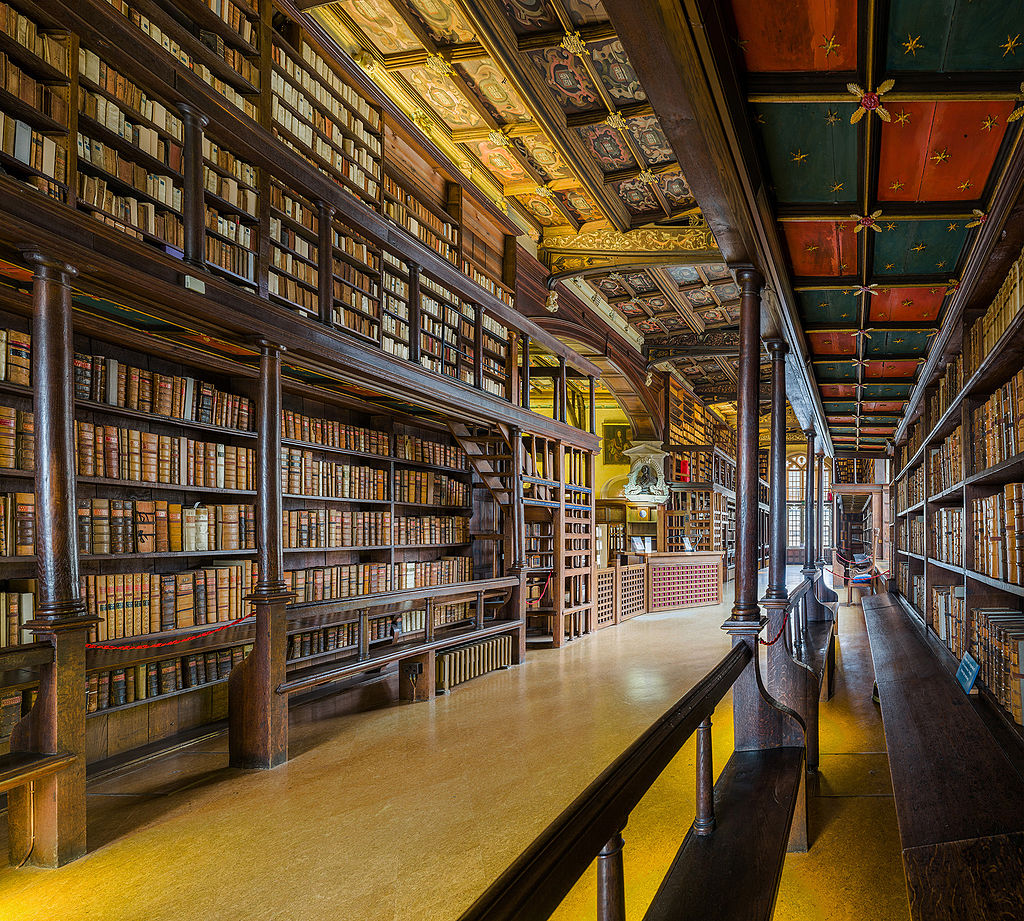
(795, 525)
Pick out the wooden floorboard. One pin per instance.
(733, 874)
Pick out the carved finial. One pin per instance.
(573, 43)
(649, 379)
(551, 304)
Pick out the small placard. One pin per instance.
(967, 673)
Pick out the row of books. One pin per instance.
(118, 687)
(357, 248)
(141, 603)
(302, 473)
(431, 529)
(412, 210)
(948, 388)
(423, 450)
(999, 425)
(235, 16)
(347, 275)
(139, 218)
(234, 254)
(395, 626)
(49, 100)
(21, 142)
(17, 438)
(12, 705)
(118, 453)
(983, 335)
(989, 535)
(121, 526)
(947, 535)
(910, 585)
(227, 163)
(142, 137)
(330, 528)
(914, 534)
(51, 49)
(948, 617)
(328, 583)
(325, 639)
(17, 606)
(155, 185)
(231, 190)
(445, 571)
(15, 357)
(499, 291)
(332, 433)
(333, 83)
(294, 208)
(1013, 508)
(430, 488)
(945, 465)
(299, 295)
(116, 383)
(997, 641)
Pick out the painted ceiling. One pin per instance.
(883, 129)
(537, 94)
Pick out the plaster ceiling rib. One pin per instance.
(588, 65)
(435, 52)
(495, 33)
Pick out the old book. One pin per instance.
(184, 600)
(19, 357)
(24, 524)
(145, 526)
(174, 526)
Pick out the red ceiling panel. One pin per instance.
(798, 35)
(842, 420)
(907, 305)
(833, 343)
(877, 430)
(899, 368)
(821, 248)
(838, 391)
(940, 151)
(884, 406)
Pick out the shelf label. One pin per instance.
(967, 673)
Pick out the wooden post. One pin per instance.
(819, 486)
(478, 348)
(414, 313)
(193, 202)
(258, 714)
(591, 478)
(809, 570)
(558, 532)
(611, 883)
(525, 375)
(593, 406)
(561, 394)
(704, 823)
(512, 366)
(777, 349)
(46, 821)
(325, 263)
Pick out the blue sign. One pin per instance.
(967, 673)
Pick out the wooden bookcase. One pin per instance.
(959, 522)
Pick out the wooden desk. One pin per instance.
(684, 580)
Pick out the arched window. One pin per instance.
(796, 485)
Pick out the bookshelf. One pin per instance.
(294, 276)
(431, 225)
(232, 202)
(959, 499)
(356, 295)
(395, 299)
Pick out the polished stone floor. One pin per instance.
(395, 811)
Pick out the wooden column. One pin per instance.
(593, 406)
(512, 366)
(611, 883)
(745, 607)
(325, 262)
(704, 823)
(809, 568)
(414, 313)
(561, 393)
(47, 822)
(777, 349)
(525, 375)
(258, 714)
(478, 348)
(558, 532)
(193, 201)
(819, 486)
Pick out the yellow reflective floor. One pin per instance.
(408, 811)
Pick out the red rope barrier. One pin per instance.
(773, 641)
(535, 601)
(184, 639)
(872, 577)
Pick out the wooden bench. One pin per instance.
(734, 874)
(959, 799)
(20, 768)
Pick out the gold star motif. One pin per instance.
(842, 268)
(811, 248)
(1011, 45)
(889, 266)
(903, 117)
(919, 248)
(965, 185)
(823, 305)
(989, 123)
(899, 341)
(831, 117)
(912, 44)
(844, 316)
(798, 157)
(896, 185)
(837, 187)
(759, 118)
(941, 264)
(953, 225)
(829, 45)
(940, 156)
(906, 302)
(891, 225)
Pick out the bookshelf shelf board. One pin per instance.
(911, 608)
(18, 679)
(950, 567)
(15, 473)
(155, 697)
(227, 207)
(916, 509)
(291, 495)
(1000, 584)
(12, 105)
(434, 505)
(232, 276)
(108, 409)
(126, 188)
(337, 549)
(346, 452)
(151, 238)
(165, 487)
(102, 133)
(28, 60)
(952, 496)
(541, 503)
(1010, 470)
(460, 543)
(204, 16)
(902, 552)
(916, 556)
(324, 656)
(98, 660)
(10, 162)
(459, 471)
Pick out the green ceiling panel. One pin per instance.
(918, 247)
(885, 391)
(840, 409)
(827, 371)
(897, 344)
(811, 149)
(831, 306)
(949, 36)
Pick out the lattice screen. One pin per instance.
(632, 591)
(684, 585)
(605, 597)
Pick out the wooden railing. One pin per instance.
(537, 882)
